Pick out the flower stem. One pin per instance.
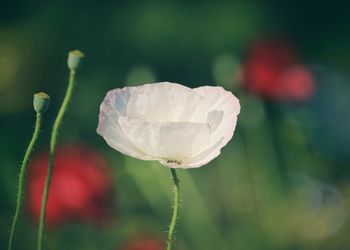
(53, 138)
(21, 179)
(175, 209)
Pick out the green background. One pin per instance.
(281, 183)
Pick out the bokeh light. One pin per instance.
(140, 75)
(80, 187)
(226, 71)
(271, 70)
(144, 243)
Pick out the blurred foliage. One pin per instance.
(281, 183)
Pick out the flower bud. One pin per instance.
(74, 57)
(41, 102)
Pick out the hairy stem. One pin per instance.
(175, 209)
(21, 179)
(54, 133)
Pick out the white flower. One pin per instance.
(178, 126)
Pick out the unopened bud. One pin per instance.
(41, 102)
(74, 57)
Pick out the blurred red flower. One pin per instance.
(80, 188)
(271, 70)
(145, 243)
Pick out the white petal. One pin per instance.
(142, 134)
(174, 141)
(114, 105)
(176, 125)
(216, 98)
(163, 102)
(181, 140)
(214, 118)
(202, 158)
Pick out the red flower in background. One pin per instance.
(80, 187)
(271, 70)
(145, 243)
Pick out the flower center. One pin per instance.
(175, 162)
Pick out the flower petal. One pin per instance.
(214, 118)
(163, 102)
(216, 99)
(113, 106)
(173, 141)
(181, 140)
(168, 122)
(200, 159)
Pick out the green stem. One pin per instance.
(54, 133)
(21, 179)
(176, 209)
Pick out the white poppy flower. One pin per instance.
(178, 126)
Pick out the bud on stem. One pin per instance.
(74, 57)
(41, 102)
